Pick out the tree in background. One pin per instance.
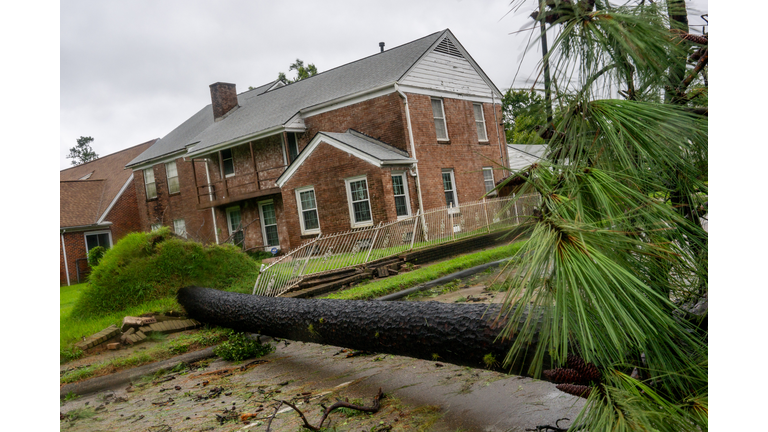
(524, 116)
(82, 152)
(615, 270)
(302, 72)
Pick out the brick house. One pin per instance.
(414, 127)
(97, 207)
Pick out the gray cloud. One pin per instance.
(132, 71)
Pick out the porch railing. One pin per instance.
(327, 253)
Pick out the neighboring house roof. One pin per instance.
(523, 155)
(85, 202)
(268, 110)
(355, 143)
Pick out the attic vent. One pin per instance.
(87, 176)
(446, 47)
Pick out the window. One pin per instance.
(269, 223)
(180, 228)
(449, 186)
(233, 224)
(227, 163)
(100, 238)
(439, 115)
(173, 177)
(488, 179)
(480, 122)
(359, 204)
(149, 183)
(155, 227)
(310, 223)
(293, 146)
(400, 189)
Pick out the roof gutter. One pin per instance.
(237, 141)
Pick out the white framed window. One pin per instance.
(149, 183)
(227, 163)
(155, 227)
(234, 223)
(307, 205)
(400, 191)
(269, 223)
(98, 238)
(482, 135)
(180, 227)
(449, 187)
(488, 179)
(438, 113)
(173, 177)
(359, 201)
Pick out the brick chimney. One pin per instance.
(223, 99)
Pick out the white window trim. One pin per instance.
(453, 183)
(229, 210)
(298, 192)
(155, 227)
(493, 179)
(264, 228)
(183, 233)
(445, 120)
(351, 208)
(86, 234)
(146, 184)
(168, 178)
(407, 196)
(482, 115)
(221, 163)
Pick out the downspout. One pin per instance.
(210, 197)
(413, 146)
(64, 248)
(498, 136)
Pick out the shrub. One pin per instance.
(95, 254)
(240, 347)
(147, 266)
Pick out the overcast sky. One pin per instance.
(133, 71)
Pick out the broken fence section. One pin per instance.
(327, 253)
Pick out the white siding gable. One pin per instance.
(445, 69)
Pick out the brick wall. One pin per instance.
(382, 118)
(464, 153)
(124, 215)
(181, 205)
(326, 169)
(75, 244)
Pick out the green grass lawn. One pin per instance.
(403, 281)
(69, 295)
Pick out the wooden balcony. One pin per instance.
(239, 187)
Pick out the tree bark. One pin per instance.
(462, 334)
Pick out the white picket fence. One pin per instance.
(333, 252)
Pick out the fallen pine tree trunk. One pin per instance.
(463, 334)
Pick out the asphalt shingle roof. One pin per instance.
(265, 110)
(82, 202)
(370, 146)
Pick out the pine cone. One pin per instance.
(576, 390)
(587, 370)
(560, 375)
